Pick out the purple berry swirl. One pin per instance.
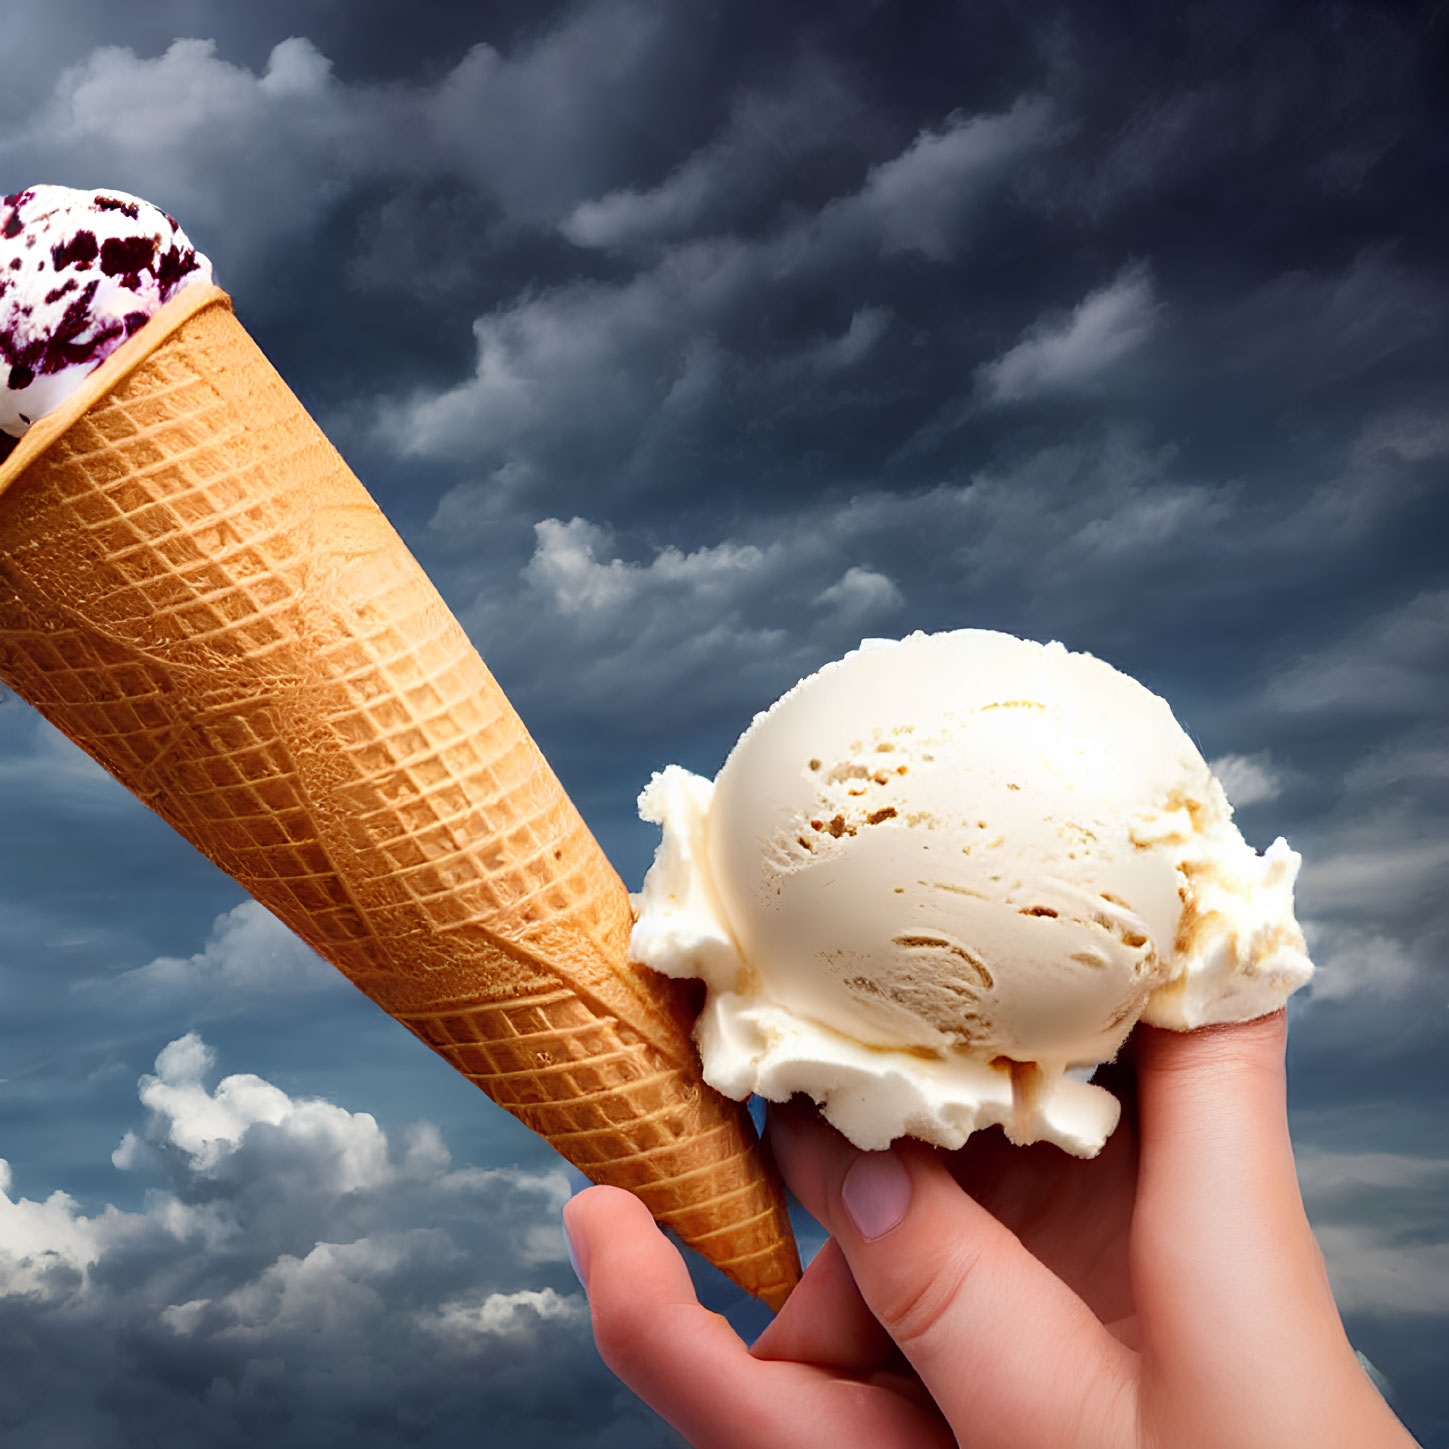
(80, 271)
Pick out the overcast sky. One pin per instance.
(687, 343)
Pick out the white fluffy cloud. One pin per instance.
(922, 199)
(1378, 1219)
(547, 124)
(860, 593)
(919, 200)
(250, 160)
(1375, 858)
(248, 951)
(247, 1162)
(1381, 865)
(1371, 899)
(1077, 353)
(171, 127)
(1416, 760)
(1248, 779)
(39, 1237)
(591, 361)
(1365, 965)
(679, 629)
(565, 566)
(348, 1151)
(690, 627)
(504, 1313)
(1373, 1274)
(373, 1275)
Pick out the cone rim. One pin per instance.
(160, 326)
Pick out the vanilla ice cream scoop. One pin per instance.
(939, 881)
(80, 271)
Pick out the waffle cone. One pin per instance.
(197, 591)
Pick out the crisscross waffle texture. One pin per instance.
(197, 591)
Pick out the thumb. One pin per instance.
(1226, 1274)
(1009, 1353)
(1218, 1205)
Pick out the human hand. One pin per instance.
(1167, 1292)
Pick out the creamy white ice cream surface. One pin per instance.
(80, 271)
(938, 882)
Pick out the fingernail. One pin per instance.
(578, 1252)
(876, 1193)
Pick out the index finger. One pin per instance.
(1007, 1350)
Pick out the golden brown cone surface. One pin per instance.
(197, 591)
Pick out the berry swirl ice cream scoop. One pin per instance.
(80, 272)
(938, 882)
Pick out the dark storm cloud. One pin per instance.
(1393, 664)
(703, 332)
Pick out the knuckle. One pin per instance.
(914, 1311)
(622, 1338)
(1256, 1043)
